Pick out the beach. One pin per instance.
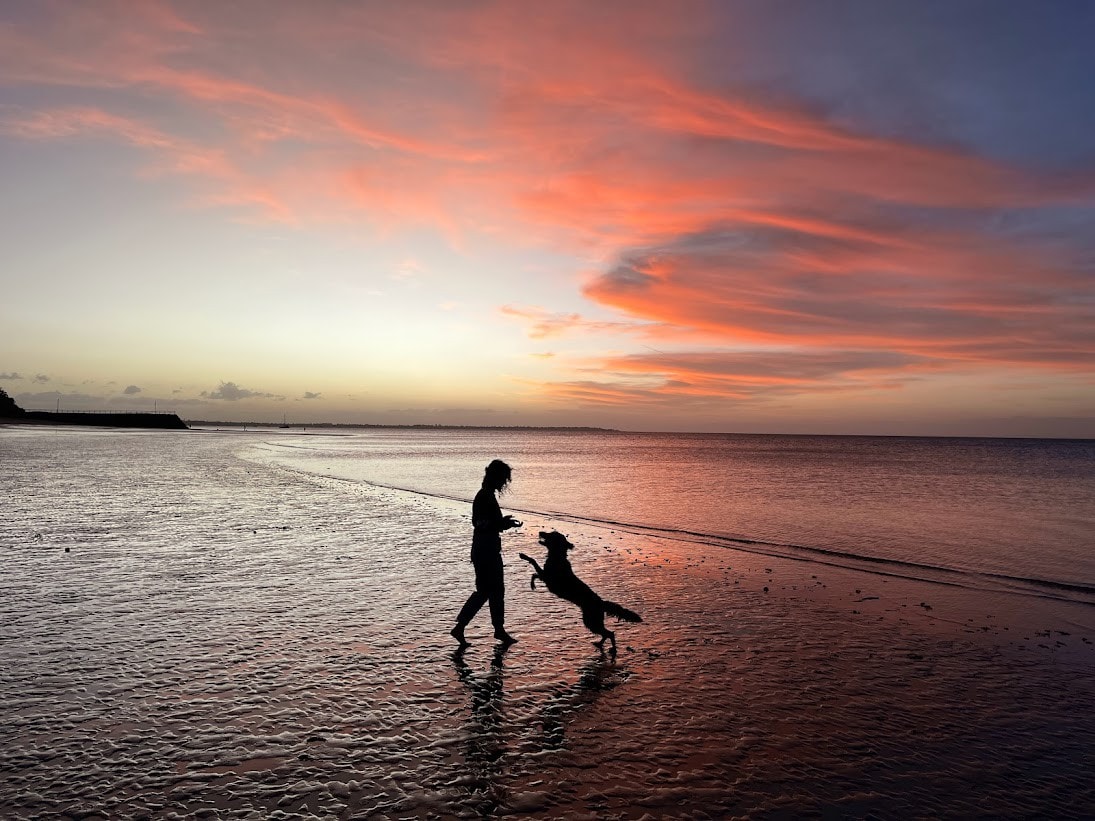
(185, 633)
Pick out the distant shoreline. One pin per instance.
(108, 419)
(82, 418)
(356, 425)
(590, 429)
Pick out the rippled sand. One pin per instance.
(226, 638)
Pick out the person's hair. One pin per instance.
(497, 475)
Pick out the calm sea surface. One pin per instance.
(256, 625)
(998, 513)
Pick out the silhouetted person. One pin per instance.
(486, 554)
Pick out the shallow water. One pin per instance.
(992, 513)
(229, 636)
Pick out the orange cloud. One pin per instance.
(712, 377)
(766, 286)
(722, 217)
(575, 122)
(543, 324)
(174, 155)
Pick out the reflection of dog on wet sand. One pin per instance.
(558, 576)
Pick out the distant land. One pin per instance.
(11, 412)
(320, 426)
(207, 423)
(109, 419)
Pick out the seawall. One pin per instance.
(162, 421)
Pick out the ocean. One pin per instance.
(254, 624)
(1016, 514)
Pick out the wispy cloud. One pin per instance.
(713, 376)
(232, 186)
(543, 324)
(940, 295)
(725, 220)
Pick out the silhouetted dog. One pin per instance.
(559, 578)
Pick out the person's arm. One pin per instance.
(487, 513)
(506, 522)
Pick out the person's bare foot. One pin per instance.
(458, 634)
(504, 637)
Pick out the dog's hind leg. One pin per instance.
(607, 634)
(594, 619)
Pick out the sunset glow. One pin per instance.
(745, 216)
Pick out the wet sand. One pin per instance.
(246, 642)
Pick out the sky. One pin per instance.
(749, 216)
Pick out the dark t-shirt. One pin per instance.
(486, 518)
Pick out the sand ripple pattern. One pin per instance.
(226, 639)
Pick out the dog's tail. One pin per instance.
(622, 613)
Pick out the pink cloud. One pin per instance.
(729, 220)
(173, 155)
(712, 377)
(933, 297)
(544, 324)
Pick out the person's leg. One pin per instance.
(498, 609)
(485, 577)
(495, 588)
(475, 601)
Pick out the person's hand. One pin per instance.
(509, 522)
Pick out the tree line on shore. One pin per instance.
(8, 408)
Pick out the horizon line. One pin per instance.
(594, 428)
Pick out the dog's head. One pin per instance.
(555, 542)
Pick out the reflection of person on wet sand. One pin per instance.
(486, 741)
(485, 691)
(486, 554)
